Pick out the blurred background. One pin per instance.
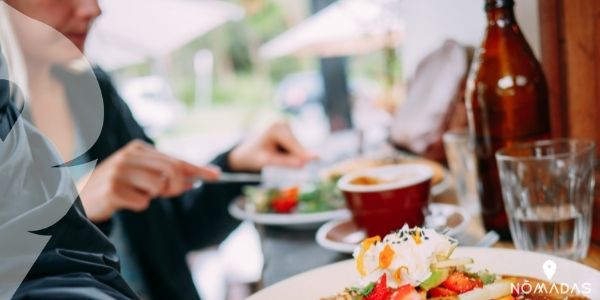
(201, 74)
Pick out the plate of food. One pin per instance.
(305, 204)
(418, 263)
(343, 235)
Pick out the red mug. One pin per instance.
(384, 199)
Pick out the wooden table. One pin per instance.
(593, 258)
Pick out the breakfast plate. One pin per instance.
(343, 235)
(236, 209)
(329, 280)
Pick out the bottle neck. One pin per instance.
(500, 13)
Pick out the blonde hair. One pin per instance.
(12, 63)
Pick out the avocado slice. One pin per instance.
(486, 277)
(437, 277)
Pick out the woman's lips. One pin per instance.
(77, 38)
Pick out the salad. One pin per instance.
(416, 263)
(306, 198)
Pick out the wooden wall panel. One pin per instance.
(583, 78)
(570, 36)
(552, 62)
(597, 68)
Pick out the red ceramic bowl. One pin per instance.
(383, 207)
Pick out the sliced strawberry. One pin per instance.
(459, 282)
(478, 282)
(404, 292)
(440, 292)
(381, 290)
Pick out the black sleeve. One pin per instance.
(8, 113)
(118, 129)
(105, 227)
(77, 263)
(70, 259)
(120, 126)
(204, 217)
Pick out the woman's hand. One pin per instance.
(276, 146)
(133, 176)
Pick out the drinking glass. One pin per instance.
(547, 188)
(461, 161)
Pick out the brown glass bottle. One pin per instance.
(507, 102)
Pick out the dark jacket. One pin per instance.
(161, 236)
(77, 261)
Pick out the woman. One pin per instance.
(135, 190)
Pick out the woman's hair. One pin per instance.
(12, 64)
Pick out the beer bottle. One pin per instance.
(507, 102)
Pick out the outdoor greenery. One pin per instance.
(241, 78)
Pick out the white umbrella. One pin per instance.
(130, 30)
(346, 27)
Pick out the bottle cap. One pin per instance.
(491, 4)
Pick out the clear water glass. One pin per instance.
(462, 163)
(547, 188)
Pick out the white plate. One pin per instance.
(332, 279)
(236, 209)
(343, 235)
